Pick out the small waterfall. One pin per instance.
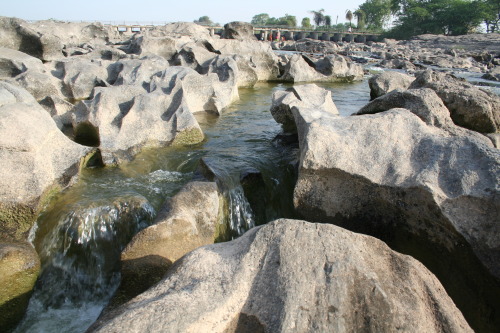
(80, 251)
(241, 217)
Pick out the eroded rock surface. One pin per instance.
(292, 276)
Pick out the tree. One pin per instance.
(260, 19)
(451, 17)
(306, 22)
(348, 17)
(288, 20)
(360, 18)
(490, 10)
(328, 20)
(318, 16)
(204, 20)
(377, 13)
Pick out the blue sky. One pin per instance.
(158, 11)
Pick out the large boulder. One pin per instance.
(19, 269)
(426, 192)
(178, 30)
(192, 218)
(121, 120)
(238, 30)
(13, 63)
(306, 96)
(470, 107)
(427, 105)
(38, 159)
(332, 68)
(80, 76)
(253, 56)
(381, 84)
(292, 276)
(136, 71)
(40, 84)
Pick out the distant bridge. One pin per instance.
(274, 33)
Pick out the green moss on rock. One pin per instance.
(188, 137)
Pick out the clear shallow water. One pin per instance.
(81, 233)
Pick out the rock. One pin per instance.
(292, 276)
(306, 96)
(165, 47)
(80, 76)
(398, 64)
(39, 84)
(122, 120)
(192, 218)
(238, 30)
(495, 138)
(195, 55)
(493, 74)
(136, 71)
(17, 35)
(37, 160)
(427, 105)
(59, 110)
(19, 269)
(13, 63)
(308, 45)
(329, 69)
(85, 243)
(212, 92)
(470, 107)
(381, 84)
(179, 29)
(424, 191)
(256, 55)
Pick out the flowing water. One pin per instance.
(81, 233)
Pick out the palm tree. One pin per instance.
(318, 16)
(348, 16)
(360, 18)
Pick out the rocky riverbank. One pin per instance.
(416, 168)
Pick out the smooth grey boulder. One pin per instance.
(292, 276)
(178, 30)
(424, 103)
(308, 45)
(332, 68)
(381, 84)
(19, 269)
(121, 120)
(305, 96)
(238, 30)
(470, 107)
(13, 63)
(38, 160)
(424, 191)
(190, 219)
(163, 46)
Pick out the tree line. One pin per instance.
(399, 19)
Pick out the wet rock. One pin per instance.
(328, 69)
(381, 84)
(306, 96)
(13, 63)
(121, 120)
(19, 269)
(292, 276)
(81, 250)
(424, 191)
(238, 30)
(192, 218)
(470, 107)
(37, 159)
(254, 189)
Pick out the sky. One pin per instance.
(158, 11)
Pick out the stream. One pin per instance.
(80, 234)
